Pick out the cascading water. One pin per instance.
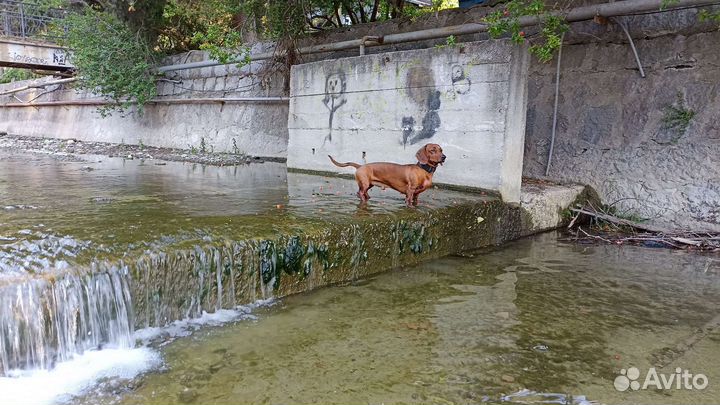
(47, 320)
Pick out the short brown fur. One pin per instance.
(410, 180)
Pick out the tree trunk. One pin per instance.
(337, 15)
(350, 12)
(376, 6)
(397, 8)
(363, 16)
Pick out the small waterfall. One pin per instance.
(46, 320)
(51, 317)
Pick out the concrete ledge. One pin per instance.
(305, 256)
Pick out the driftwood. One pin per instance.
(620, 221)
(631, 232)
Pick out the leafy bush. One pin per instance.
(507, 21)
(14, 74)
(111, 60)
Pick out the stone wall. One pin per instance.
(252, 128)
(613, 131)
(470, 99)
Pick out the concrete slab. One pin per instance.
(468, 98)
(33, 55)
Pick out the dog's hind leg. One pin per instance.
(363, 187)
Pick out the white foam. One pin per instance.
(186, 326)
(73, 377)
(41, 387)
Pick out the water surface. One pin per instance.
(536, 320)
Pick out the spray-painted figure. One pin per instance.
(335, 86)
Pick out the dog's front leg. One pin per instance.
(410, 196)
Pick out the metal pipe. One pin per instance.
(632, 46)
(555, 109)
(576, 14)
(37, 86)
(168, 101)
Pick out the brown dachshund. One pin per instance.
(410, 180)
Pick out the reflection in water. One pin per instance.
(534, 322)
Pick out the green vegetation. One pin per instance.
(507, 22)
(116, 43)
(13, 74)
(111, 59)
(677, 118)
(706, 15)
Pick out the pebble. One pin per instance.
(507, 378)
(187, 395)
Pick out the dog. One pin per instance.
(410, 180)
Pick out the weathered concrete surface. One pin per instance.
(470, 99)
(547, 203)
(32, 55)
(616, 140)
(300, 257)
(257, 129)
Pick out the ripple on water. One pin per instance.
(30, 251)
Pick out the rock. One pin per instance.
(507, 378)
(3, 133)
(70, 141)
(187, 395)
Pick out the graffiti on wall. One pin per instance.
(421, 89)
(420, 86)
(335, 87)
(59, 57)
(20, 58)
(460, 83)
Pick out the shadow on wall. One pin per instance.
(421, 90)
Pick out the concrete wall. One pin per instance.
(470, 99)
(611, 129)
(257, 129)
(33, 55)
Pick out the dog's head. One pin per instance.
(431, 154)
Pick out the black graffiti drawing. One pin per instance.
(421, 89)
(335, 86)
(59, 57)
(460, 83)
(17, 57)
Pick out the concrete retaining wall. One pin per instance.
(257, 129)
(613, 132)
(469, 98)
(33, 55)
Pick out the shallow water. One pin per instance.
(536, 320)
(92, 247)
(58, 209)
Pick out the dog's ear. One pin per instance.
(422, 155)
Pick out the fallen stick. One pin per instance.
(619, 221)
(686, 241)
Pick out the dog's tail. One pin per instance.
(338, 164)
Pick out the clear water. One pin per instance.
(534, 321)
(73, 229)
(537, 320)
